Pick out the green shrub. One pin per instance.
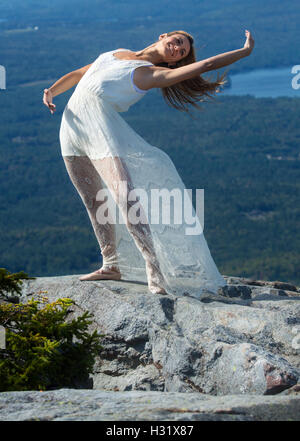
(10, 283)
(43, 350)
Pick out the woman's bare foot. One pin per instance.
(156, 280)
(103, 274)
(155, 289)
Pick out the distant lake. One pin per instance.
(271, 83)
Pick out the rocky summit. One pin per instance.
(227, 350)
(95, 405)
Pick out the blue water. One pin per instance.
(260, 83)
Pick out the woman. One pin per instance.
(104, 156)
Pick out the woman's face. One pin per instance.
(173, 48)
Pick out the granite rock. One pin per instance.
(95, 405)
(242, 340)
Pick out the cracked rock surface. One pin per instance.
(240, 344)
(94, 405)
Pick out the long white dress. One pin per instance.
(92, 126)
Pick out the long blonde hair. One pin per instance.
(190, 91)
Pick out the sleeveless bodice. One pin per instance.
(111, 79)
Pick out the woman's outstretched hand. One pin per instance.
(249, 44)
(47, 100)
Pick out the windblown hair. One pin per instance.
(195, 89)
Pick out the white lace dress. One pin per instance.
(92, 126)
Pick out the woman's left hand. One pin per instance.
(47, 100)
(249, 44)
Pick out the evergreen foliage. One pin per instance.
(10, 283)
(43, 350)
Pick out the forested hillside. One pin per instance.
(72, 33)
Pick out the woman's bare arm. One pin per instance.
(151, 77)
(69, 80)
(62, 85)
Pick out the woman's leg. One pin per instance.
(113, 171)
(87, 182)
